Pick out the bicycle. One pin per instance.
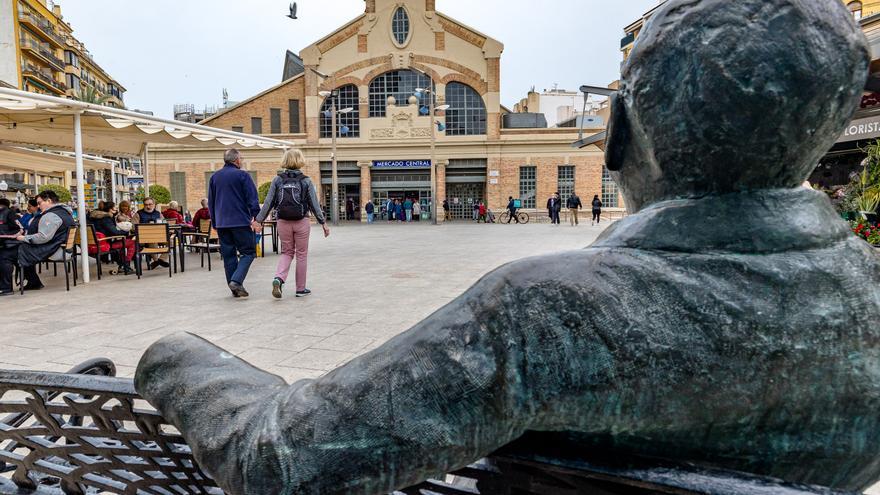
(521, 217)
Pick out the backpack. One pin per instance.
(292, 198)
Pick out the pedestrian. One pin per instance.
(446, 215)
(370, 209)
(389, 209)
(573, 203)
(417, 210)
(597, 210)
(398, 210)
(554, 206)
(476, 209)
(293, 195)
(408, 209)
(233, 204)
(10, 228)
(45, 237)
(482, 213)
(349, 209)
(511, 208)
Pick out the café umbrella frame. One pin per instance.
(58, 124)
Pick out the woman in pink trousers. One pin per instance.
(293, 195)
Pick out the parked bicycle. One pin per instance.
(521, 217)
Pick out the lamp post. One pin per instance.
(431, 113)
(334, 173)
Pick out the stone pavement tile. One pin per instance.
(291, 375)
(344, 343)
(36, 358)
(120, 357)
(264, 358)
(240, 342)
(317, 359)
(292, 343)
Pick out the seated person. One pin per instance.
(31, 211)
(125, 218)
(45, 240)
(106, 225)
(173, 213)
(203, 213)
(149, 213)
(688, 331)
(9, 229)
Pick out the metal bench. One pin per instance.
(88, 432)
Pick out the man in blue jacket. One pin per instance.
(233, 204)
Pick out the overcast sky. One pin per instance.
(186, 51)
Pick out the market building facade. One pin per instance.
(377, 68)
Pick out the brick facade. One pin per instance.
(279, 97)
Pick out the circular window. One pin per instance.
(400, 26)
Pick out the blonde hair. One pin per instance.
(293, 159)
(174, 205)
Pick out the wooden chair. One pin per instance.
(152, 238)
(68, 260)
(203, 241)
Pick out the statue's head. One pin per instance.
(723, 96)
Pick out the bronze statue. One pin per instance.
(731, 322)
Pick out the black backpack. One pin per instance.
(293, 198)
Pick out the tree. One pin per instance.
(88, 94)
(160, 193)
(263, 191)
(63, 193)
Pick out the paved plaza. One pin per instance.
(370, 283)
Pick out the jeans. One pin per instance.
(238, 246)
(409, 215)
(369, 217)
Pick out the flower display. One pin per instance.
(870, 233)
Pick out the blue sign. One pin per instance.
(401, 163)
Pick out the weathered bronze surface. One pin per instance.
(731, 322)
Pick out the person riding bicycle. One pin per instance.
(511, 207)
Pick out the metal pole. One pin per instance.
(81, 194)
(433, 158)
(113, 182)
(334, 208)
(146, 173)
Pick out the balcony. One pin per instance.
(627, 40)
(43, 26)
(43, 77)
(42, 51)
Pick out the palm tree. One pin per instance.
(88, 94)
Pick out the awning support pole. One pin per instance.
(81, 194)
(113, 182)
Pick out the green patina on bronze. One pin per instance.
(732, 321)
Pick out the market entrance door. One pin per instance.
(462, 198)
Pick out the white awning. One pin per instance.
(47, 121)
(19, 159)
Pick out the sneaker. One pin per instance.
(154, 264)
(238, 290)
(276, 288)
(33, 287)
(163, 263)
(303, 293)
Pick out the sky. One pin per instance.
(166, 52)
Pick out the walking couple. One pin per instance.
(236, 214)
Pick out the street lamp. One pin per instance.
(432, 113)
(334, 175)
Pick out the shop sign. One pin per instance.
(401, 163)
(861, 129)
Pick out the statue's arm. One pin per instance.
(447, 392)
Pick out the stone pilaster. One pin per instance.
(366, 186)
(441, 188)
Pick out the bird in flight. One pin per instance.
(292, 14)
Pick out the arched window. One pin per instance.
(855, 9)
(401, 84)
(400, 26)
(349, 123)
(466, 115)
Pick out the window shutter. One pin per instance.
(256, 125)
(178, 188)
(253, 175)
(293, 106)
(275, 120)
